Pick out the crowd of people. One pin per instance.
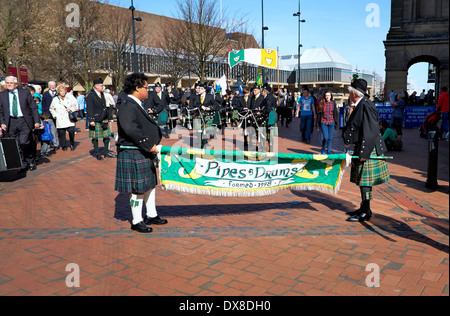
(33, 116)
(50, 116)
(399, 101)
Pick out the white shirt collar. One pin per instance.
(136, 99)
(357, 102)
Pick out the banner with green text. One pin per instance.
(233, 173)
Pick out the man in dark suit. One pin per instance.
(269, 102)
(363, 131)
(19, 116)
(256, 99)
(156, 101)
(172, 93)
(139, 136)
(97, 114)
(172, 99)
(207, 101)
(47, 99)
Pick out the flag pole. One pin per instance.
(278, 72)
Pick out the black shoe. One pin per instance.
(99, 157)
(110, 155)
(357, 212)
(141, 228)
(32, 167)
(155, 221)
(72, 148)
(64, 148)
(364, 216)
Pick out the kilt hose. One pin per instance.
(135, 172)
(369, 173)
(98, 131)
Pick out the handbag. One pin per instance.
(73, 117)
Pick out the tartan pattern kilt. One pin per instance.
(369, 173)
(209, 119)
(135, 172)
(97, 131)
(235, 115)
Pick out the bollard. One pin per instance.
(433, 146)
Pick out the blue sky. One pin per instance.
(339, 25)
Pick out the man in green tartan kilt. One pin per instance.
(139, 136)
(98, 115)
(362, 130)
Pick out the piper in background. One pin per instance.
(98, 114)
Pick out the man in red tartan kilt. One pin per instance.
(139, 135)
(362, 130)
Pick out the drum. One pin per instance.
(173, 112)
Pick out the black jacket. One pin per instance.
(135, 127)
(363, 130)
(96, 110)
(27, 105)
(269, 103)
(122, 97)
(47, 101)
(174, 99)
(254, 104)
(156, 104)
(209, 101)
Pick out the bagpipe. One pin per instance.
(253, 120)
(198, 119)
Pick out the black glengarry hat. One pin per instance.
(98, 81)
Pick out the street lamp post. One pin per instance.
(132, 8)
(300, 21)
(264, 28)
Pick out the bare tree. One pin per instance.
(118, 42)
(172, 50)
(18, 19)
(87, 49)
(205, 32)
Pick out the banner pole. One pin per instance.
(278, 72)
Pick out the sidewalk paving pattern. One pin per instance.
(291, 243)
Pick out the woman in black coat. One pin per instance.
(139, 136)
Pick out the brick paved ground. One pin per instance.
(291, 243)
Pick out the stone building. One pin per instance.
(419, 32)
